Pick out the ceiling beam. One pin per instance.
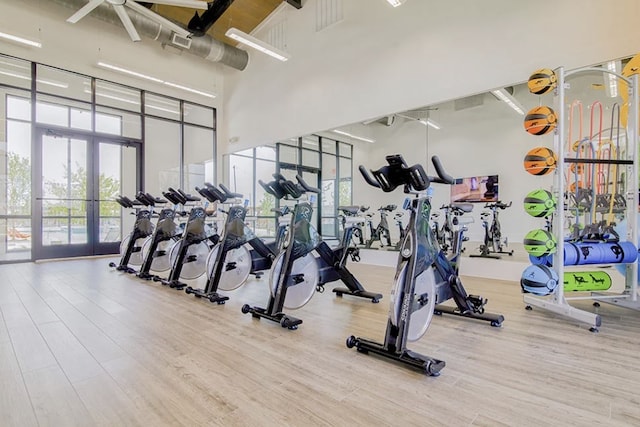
(200, 24)
(295, 3)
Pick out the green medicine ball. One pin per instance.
(540, 242)
(540, 203)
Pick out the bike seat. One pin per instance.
(349, 210)
(463, 207)
(388, 208)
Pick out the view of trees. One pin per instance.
(77, 189)
(19, 190)
(18, 185)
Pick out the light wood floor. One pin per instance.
(83, 345)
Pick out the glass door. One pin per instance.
(117, 173)
(78, 177)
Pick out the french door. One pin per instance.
(77, 177)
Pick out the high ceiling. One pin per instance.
(242, 14)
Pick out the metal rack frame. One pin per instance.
(557, 302)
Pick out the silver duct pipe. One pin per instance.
(205, 47)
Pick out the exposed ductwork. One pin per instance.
(205, 47)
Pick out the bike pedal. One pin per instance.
(477, 301)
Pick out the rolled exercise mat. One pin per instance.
(580, 253)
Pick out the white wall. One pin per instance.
(381, 59)
(484, 140)
(78, 47)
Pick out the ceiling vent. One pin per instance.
(183, 42)
(468, 102)
(328, 12)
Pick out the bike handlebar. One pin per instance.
(273, 188)
(397, 173)
(229, 193)
(367, 177)
(187, 197)
(443, 177)
(306, 186)
(498, 205)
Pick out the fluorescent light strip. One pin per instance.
(132, 102)
(129, 72)
(426, 122)
(15, 65)
(431, 123)
(253, 42)
(20, 40)
(509, 100)
(42, 81)
(188, 89)
(354, 136)
(177, 113)
(154, 79)
(612, 80)
(395, 3)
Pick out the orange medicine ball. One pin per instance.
(542, 81)
(540, 161)
(540, 120)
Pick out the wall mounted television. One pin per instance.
(480, 189)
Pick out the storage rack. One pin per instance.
(557, 302)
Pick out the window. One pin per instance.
(178, 137)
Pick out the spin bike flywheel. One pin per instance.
(231, 278)
(197, 257)
(419, 313)
(137, 256)
(306, 269)
(162, 262)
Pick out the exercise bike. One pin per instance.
(357, 237)
(492, 235)
(296, 274)
(402, 230)
(230, 262)
(425, 278)
(188, 255)
(382, 230)
(131, 245)
(166, 233)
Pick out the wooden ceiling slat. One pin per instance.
(245, 15)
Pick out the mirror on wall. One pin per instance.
(482, 142)
(480, 139)
(325, 163)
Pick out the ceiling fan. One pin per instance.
(118, 7)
